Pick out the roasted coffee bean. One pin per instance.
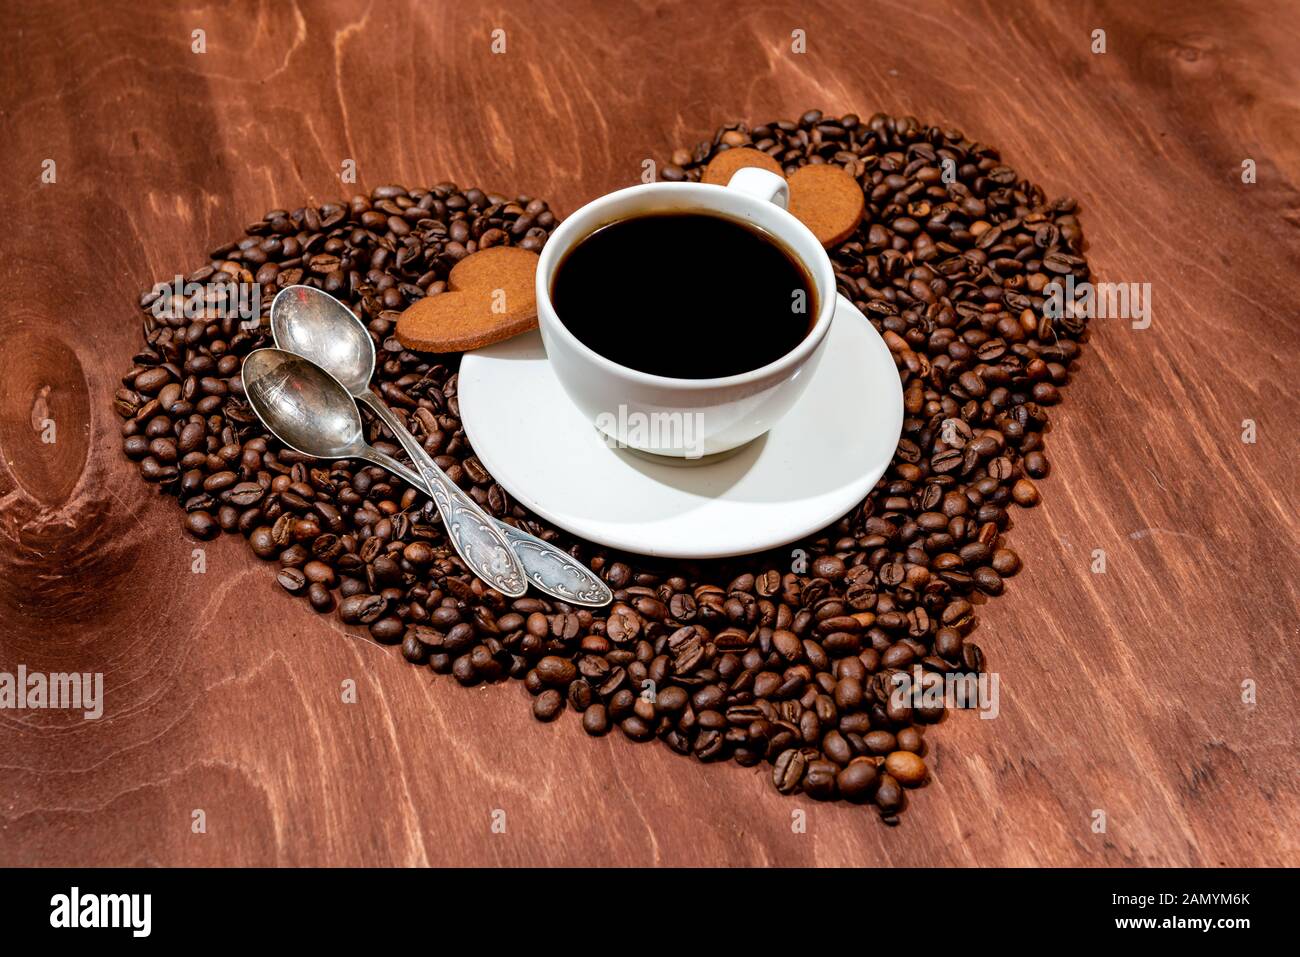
(321, 598)
(623, 627)
(152, 380)
(636, 728)
(906, 768)
(548, 705)
(910, 739)
(889, 796)
(462, 669)
(768, 583)
(857, 780)
(580, 695)
(1025, 493)
(788, 771)
(880, 742)
(848, 694)
(292, 580)
(413, 650)
(682, 607)
(263, 543)
(595, 720)
(135, 446)
(644, 708)
(219, 481)
(318, 571)
(556, 671)
(836, 747)
(245, 494)
(819, 779)
(829, 567)
(362, 609)
(1005, 562)
(987, 580)
(201, 526)
(621, 704)
(388, 630)
(671, 700)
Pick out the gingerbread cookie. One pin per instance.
(823, 196)
(827, 200)
(725, 164)
(490, 296)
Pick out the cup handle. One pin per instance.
(761, 184)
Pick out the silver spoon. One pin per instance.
(315, 325)
(310, 411)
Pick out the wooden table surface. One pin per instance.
(1121, 692)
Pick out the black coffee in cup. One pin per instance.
(687, 295)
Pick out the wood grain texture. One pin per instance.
(1121, 692)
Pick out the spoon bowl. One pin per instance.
(303, 405)
(313, 323)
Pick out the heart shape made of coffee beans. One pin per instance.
(789, 657)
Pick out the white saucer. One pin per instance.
(813, 467)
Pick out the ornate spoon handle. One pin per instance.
(473, 532)
(556, 572)
(551, 570)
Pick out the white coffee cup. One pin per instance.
(686, 418)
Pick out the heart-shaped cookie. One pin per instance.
(724, 165)
(827, 200)
(823, 196)
(490, 296)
